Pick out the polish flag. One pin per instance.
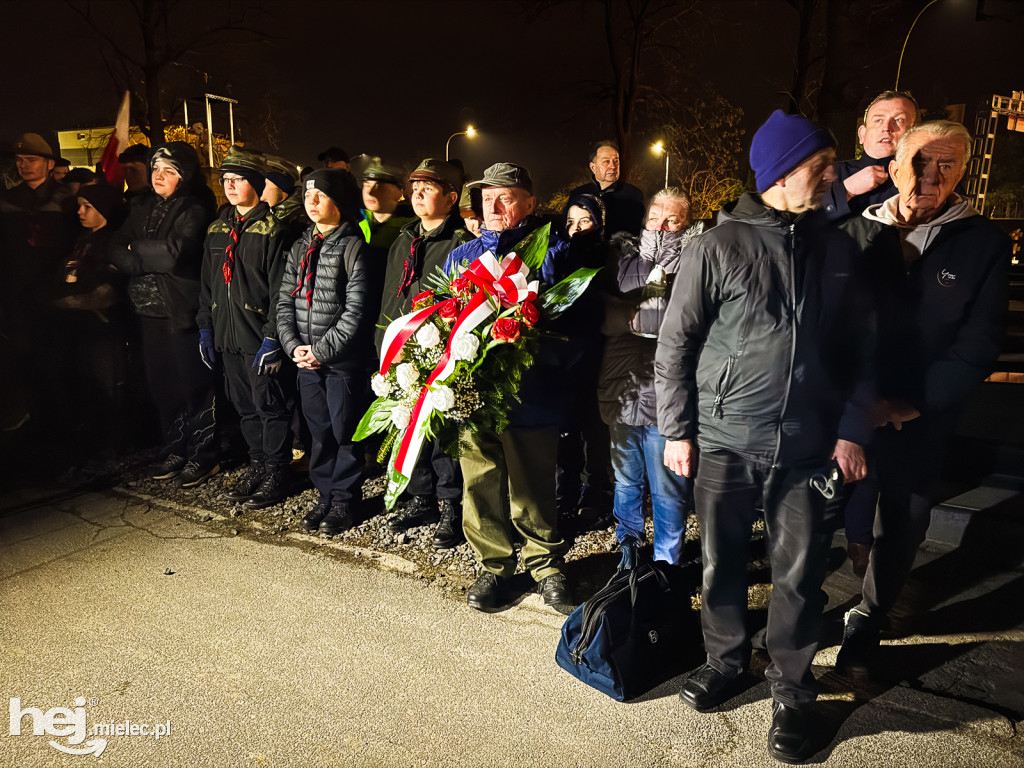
(117, 144)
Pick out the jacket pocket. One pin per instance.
(723, 387)
(261, 311)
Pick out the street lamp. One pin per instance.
(470, 132)
(907, 39)
(658, 148)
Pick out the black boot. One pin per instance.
(338, 519)
(248, 483)
(272, 490)
(311, 522)
(419, 510)
(448, 533)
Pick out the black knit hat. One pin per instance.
(179, 155)
(340, 187)
(104, 198)
(135, 153)
(592, 204)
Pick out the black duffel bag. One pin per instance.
(637, 632)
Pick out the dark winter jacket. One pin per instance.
(336, 325)
(942, 315)
(160, 248)
(837, 207)
(624, 205)
(243, 312)
(634, 311)
(543, 388)
(765, 348)
(422, 255)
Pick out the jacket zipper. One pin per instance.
(791, 250)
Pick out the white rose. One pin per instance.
(465, 346)
(428, 336)
(380, 386)
(407, 376)
(442, 398)
(400, 416)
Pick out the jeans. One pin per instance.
(638, 461)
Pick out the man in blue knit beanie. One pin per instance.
(761, 367)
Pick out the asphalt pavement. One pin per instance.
(248, 653)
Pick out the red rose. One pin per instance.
(505, 329)
(424, 299)
(449, 310)
(529, 312)
(462, 286)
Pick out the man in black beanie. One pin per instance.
(761, 363)
(243, 263)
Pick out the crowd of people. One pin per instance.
(822, 329)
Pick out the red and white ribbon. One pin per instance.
(501, 284)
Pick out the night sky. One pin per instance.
(397, 78)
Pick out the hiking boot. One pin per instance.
(337, 520)
(248, 483)
(419, 510)
(311, 522)
(195, 474)
(860, 642)
(448, 533)
(272, 490)
(169, 467)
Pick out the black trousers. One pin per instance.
(726, 491)
(333, 402)
(182, 388)
(909, 463)
(263, 406)
(435, 474)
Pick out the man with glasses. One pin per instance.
(243, 264)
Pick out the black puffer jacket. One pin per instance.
(165, 257)
(243, 312)
(766, 345)
(337, 324)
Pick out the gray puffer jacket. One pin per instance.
(641, 271)
(335, 323)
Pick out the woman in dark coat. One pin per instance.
(160, 249)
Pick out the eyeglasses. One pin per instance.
(231, 181)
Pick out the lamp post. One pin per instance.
(899, 66)
(658, 148)
(470, 132)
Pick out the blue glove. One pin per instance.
(268, 359)
(206, 350)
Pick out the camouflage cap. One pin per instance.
(239, 160)
(440, 172)
(281, 166)
(505, 175)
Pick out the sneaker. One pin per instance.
(169, 467)
(448, 533)
(196, 474)
(860, 642)
(337, 520)
(272, 490)
(419, 510)
(248, 483)
(311, 522)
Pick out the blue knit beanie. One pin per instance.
(782, 143)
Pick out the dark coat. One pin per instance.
(837, 207)
(431, 251)
(766, 345)
(336, 325)
(243, 312)
(165, 258)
